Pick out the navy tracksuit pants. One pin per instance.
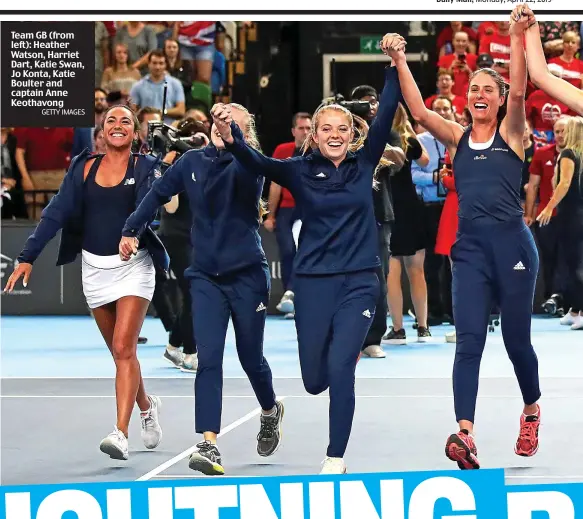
(242, 296)
(286, 216)
(493, 264)
(333, 316)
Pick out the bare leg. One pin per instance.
(105, 317)
(416, 274)
(395, 294)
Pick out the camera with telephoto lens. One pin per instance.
(163, 138)
(360, 108)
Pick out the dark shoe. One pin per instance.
(207, 459)
(423, 334)
(395, 337)
(269, 437)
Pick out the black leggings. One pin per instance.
(570, 225)
(182, 331)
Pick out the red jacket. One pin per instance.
(285, 151)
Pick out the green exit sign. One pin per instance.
(370, 44)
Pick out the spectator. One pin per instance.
(408, 237)
(83, 137)
(100, 106)
(448, 222)
(12, 201)
(200, 116)
(177, 67)
(197, 45)
(42, 156)
(149, 91)
(460, 64)
(567, 66)
(529, 148)
(445, 38)
(568, 197)
(484, 29)
(282, 211)
(542, 112)
(551, 35)
(542, 171)
(101, 51)
(497, 45)
(99, 140)
(425, 178)
(444, 89)
(145, 115)
(163, 31)
(120, 77)
(140, 40)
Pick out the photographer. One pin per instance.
(174, 231)
(384, 215)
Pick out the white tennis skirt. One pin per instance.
(108, 278)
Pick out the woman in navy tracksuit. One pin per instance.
(229, 278)
(94, 200)
(336, 285)
(495, 260)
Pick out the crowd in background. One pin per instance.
(133, 60)
(415, 205)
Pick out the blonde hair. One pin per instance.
(250, 136)
(573, 136)
(359, 127)
(403, 127)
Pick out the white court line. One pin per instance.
(189, 451)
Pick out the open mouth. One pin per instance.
(335, 144)
(480, 107)
(117, 135)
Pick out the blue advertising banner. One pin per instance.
(413, 495)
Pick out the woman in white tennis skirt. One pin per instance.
(97, 195)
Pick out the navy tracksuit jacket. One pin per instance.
(335, 282)
(495, 262)
(65, 212)
(229, 276)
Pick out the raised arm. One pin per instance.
(163, 189)
(538, 70)
(282, 171)
(514, 123)
(446, 132)
(378, 135)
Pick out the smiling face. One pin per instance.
(334, 133)
(119, 129)
(485, 96)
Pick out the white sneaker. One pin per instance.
(374, 351)
(286, 304)
(151, 430)
(577, 323)
(451, 337)
(174, 356)
(567, 319)
(333, 466)
(190, 363)
(115, 445)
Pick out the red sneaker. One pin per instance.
(527, 443)
(460, 447)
